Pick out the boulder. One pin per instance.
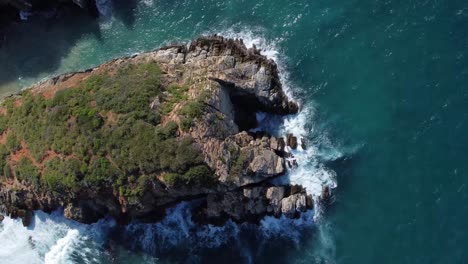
(288, 205)
(326, 194)
(281, 144)
(291, 141)
(303, 144)
(275, 195)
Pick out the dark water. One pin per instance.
(388, 82)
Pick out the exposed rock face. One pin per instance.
(251, 203)
(240, 82)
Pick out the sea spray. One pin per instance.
(311, 172)
(52, 239)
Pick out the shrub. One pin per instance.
(12, 143)
(62, 175)
(3, 124)
(193, 109)
(200, 174)
(4, 153)
(238, 165)
(186, 124)
(100, 154)
(7, 171)
(27, 172)
(172, 179)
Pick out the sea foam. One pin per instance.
(311, 172)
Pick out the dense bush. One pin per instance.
(197, 175)
(26, 171)
(12, 142)
(62, 175)
(105, 133)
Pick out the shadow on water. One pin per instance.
(33, 48)
(124, 10)
(248, 244)
(37, 46)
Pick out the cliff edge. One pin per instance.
(136, 135)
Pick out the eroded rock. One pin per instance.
(238, 83)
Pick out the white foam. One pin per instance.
(51, 239)
(311, 173)
(60, 252)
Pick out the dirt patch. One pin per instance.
(50, 154)
(111, 118)
(24, 152)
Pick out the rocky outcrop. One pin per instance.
(252, 203)
(233, 82)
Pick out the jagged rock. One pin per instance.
(296, 189)
(303, 144)
(326, 194)
(24, 215)
(310, 201)
(294, 204)
(281, 144)
(275, 195)
(273, 143)
(2, 218)
(301, 203)
(291, 141)
(240, 83)
(252, 204)
(288, 205)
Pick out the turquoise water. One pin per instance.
(387, 82)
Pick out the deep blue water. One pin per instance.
(385, 86)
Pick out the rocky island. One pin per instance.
(137, 135)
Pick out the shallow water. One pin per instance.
(384, 96)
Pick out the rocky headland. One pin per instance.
(137, 135)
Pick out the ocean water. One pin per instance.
(384, 97)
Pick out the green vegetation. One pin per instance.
(104, 134)
(62, 175)
(176, 95)
(200, 174)
(26, 171)
(238, 164)
(192, 110)
(12, 142)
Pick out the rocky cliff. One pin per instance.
(137, 135)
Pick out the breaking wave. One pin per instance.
(311, 172)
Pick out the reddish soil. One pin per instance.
(24, 152)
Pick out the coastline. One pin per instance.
(49, 87)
